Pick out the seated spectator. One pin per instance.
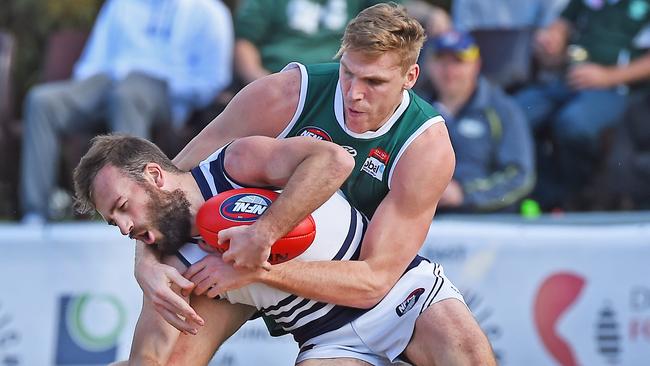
(271, 34)
(488, 130)
(590, 96)
(146, 62)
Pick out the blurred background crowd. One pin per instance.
(547, 101)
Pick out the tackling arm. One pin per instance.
(155, 342)
(393, 238)
(310, 171)
(276, 98)
(264, 107)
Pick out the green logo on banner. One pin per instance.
(84, 324)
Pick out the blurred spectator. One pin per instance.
(504, 31)
(624, 182)
(469, 15)
(434, 19)
(601, 62)
(271, 34)
(146, 63)
(493, 145)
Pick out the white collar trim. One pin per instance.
(340, 115)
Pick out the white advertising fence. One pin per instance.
(544, 294)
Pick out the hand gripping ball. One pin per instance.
(243, 206)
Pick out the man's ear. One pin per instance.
(155, 174)
(411, 76)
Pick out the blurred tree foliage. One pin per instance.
(31, 21)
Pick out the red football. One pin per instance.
(243, 206)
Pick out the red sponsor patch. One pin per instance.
(379, 154)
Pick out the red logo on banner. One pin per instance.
(554, 297)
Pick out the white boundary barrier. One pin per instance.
(545, 294)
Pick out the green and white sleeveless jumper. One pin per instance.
(320, 114)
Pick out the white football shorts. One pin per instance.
(381, 334)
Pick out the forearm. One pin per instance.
(561, 27)
(637, 70)
(144, 255)
(331, 282)
(248, 62)
(153, 340)
(312, 182)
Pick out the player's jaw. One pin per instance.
(170, 220)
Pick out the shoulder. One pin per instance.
(424, 171)
(429, 157)
(284, 85)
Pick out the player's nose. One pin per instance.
(355, 91)
(125, 225)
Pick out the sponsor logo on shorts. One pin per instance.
(244, 207)
(375, 164)
(409, 302)
(88, 329)
(315, 132)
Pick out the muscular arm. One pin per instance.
(155, 342)
(393, 238)
(261, 108)
(310, 171)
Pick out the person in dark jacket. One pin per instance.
(495, 166)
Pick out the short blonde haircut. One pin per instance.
(383, 28)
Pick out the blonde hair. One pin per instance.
(127, 153)
(383, 28)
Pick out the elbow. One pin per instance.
(341, 162)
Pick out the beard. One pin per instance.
(170, 214)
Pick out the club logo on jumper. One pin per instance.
(88, 329)
(555, 297)
(9, 340)
(376, 163)
(352, 151)
(315, 132)
(244, 207)
(409, 302)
